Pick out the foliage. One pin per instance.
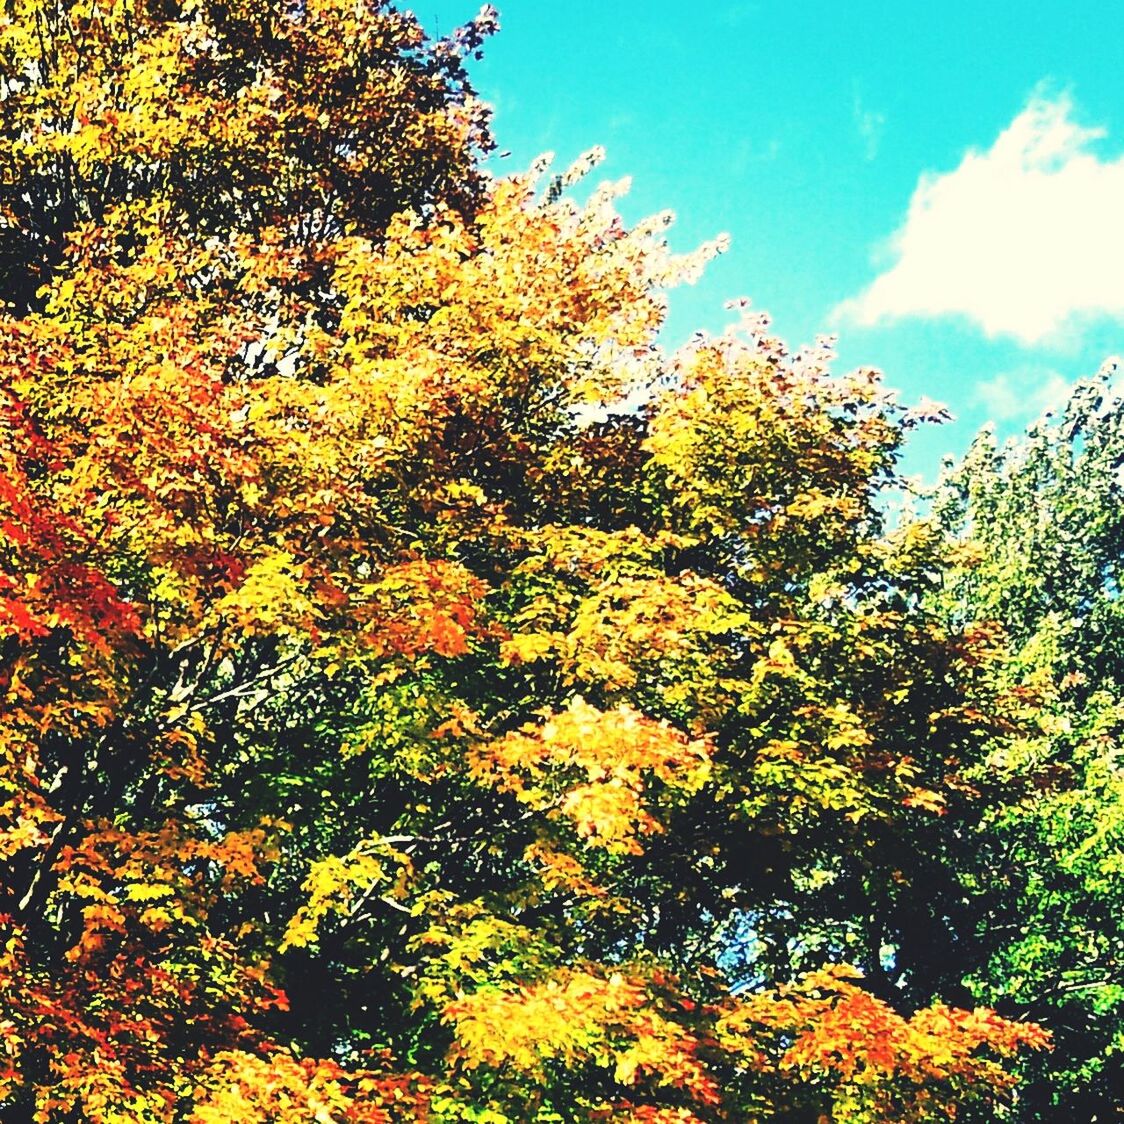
(396, 725)
(1038, 523)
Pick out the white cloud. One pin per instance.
(1024, 393)
(1024, 239)
(869, 125)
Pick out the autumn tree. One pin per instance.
(397, 726)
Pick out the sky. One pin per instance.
(940, 185)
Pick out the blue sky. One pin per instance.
(942, 185)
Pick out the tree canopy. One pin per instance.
(1039, 522)
(401, 723)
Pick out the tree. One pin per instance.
(384, 738)
(1038, 524)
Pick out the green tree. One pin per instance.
(1041, 526)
